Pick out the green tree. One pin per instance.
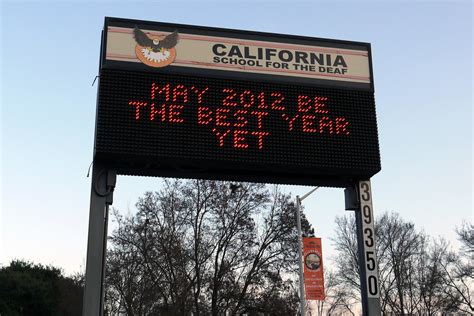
(34, 289)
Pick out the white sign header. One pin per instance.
(155, 49)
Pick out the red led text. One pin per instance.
(241, 119)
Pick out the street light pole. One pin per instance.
(300, 249)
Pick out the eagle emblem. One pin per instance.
(155, 51)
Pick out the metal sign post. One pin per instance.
(359, 199)
(103, 184)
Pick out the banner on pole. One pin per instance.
(313, 269)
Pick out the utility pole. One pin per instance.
(300, 249)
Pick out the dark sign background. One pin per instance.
(165, 125)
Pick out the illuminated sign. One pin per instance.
(168, 108)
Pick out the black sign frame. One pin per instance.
(128, 164)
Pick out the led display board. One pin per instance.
(198, 102)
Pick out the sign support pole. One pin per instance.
(359, 199)
(103, 184)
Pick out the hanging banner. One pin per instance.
(313, 269)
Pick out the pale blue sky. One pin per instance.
(422, 54)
